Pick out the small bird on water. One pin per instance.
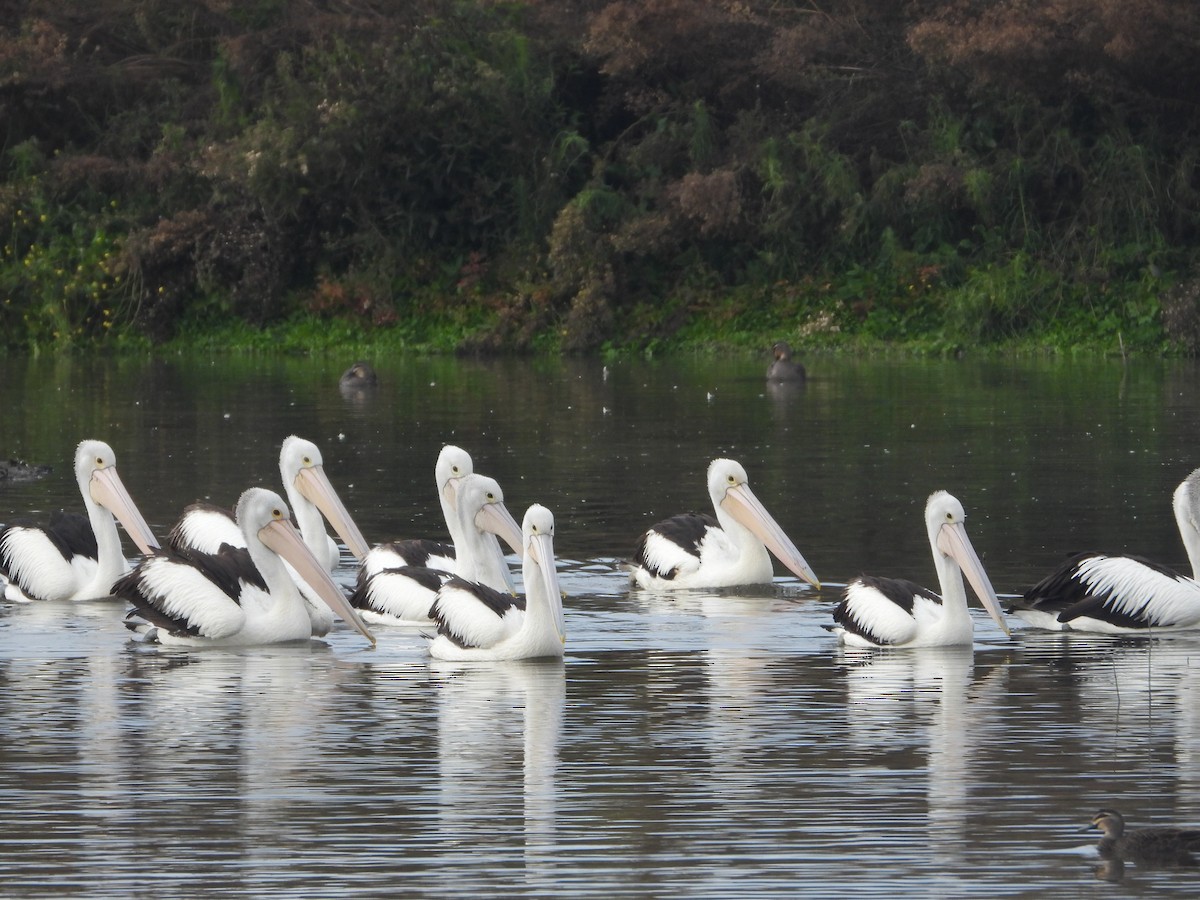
(1161, 845)
(783, 368)
(359, 375)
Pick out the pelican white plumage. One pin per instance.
(697, 551)
(1117, 594)
(206, 528)
(888, 612)
(404, 594)
(453, 465)
(476, 622)
(237, 597)
(76, 558)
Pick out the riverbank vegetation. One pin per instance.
(600, 175)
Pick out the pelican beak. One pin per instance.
(450, 494)
(953, 542)
(315, 487)
(541, 551)
(107, 490)
(282, 537)
(741, 503)
(495, 518)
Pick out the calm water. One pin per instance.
(701, 746)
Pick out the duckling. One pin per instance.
(783, 368)
(1159, 846)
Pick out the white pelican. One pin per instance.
(453, 465)
(206, 528)
(236, 597)
(76, 558)
(405, 593)
(1122, 594)
(476, 622)
(696, 551)
(887, 612)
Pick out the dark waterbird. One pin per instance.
(1157, 846)
(783, 368)
(19, 471)
(360, 375)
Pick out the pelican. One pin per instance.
(476, 622)
(206, 528)
(237, 597)
(1158, 846)
(696, 551)
(453, 465)
(887, 612)
(1122, 594)
(783, 368)
(76, 558)
(405, 593)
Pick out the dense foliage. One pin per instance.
(602, 173)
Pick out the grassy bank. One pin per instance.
(600, 177)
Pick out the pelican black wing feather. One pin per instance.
(497, 601)
(415, 551)
(899, 591)
(72, 535)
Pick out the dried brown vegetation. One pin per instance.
(621, 165)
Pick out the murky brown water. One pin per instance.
(703, 746)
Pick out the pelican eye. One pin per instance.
(100, 461)
(491, 497)
(454, 469)
(276, 514)
(308, 460)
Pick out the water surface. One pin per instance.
(706, 745)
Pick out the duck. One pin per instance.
(1158, 846)
(358, 376)
(783, 368)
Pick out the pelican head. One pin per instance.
(730, 492)
(945, 521)
(302, 468)
(480, 498)
(96, 473)
(453, 464)
(266, 521)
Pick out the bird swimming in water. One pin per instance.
(1120, 594)
(892, 612)
(697, 551)
(360, 375)
(238, 596)
(76, 557)
(1161, 845)
(475, 622)
(783, 368)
